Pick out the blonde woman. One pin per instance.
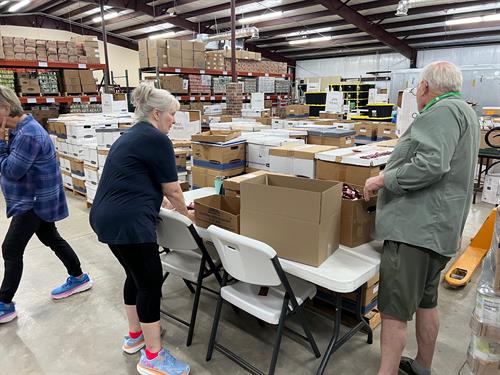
(34, 195)
(139, 172)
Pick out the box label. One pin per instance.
(32, 100)
(43, 64)
(50, 100)
(82, 66)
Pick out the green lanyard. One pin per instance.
(439, 98)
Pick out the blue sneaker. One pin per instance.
(7, 312)
(164, 364)
(72, 286)
(131, 346)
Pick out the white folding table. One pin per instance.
(345, 271)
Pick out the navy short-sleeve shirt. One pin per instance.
(129, 194)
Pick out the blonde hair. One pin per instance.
(146, 99)
(443, 76)
(9, 98)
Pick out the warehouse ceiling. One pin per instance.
(289, 29)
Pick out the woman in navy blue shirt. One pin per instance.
(139, 172)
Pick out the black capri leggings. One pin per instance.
(142, 287)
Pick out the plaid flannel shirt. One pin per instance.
(30, 174)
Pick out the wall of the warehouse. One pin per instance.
(120, 58)
(355, 66)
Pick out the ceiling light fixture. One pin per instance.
(163, 35)
(310, 40)
(106, 17)
(403, 7)
(492, 17)
(262, 17)
(463, 21)
(312, 31)
(19, 5)
(3, 3)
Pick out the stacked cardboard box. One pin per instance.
(214, 155)
(199, 55)
(18, 49)
(282, 86)
(331, 137)
(71, 81)
(174, 84)
(234, 98)
(200, 84)
(8, 47)
(214, 60)
(219, 84)
(42, 114)
(258, 148)
(186, 124)
(89, 45)
(27, 83)
(87, 81)
(187, 54)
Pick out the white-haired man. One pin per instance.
(424, 197)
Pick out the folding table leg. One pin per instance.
(335, 336)
(189, 286)
(195, 304)
(360, 317)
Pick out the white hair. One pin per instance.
(146, 99)
(442, 76)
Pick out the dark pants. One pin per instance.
(21, 229)
(142, 287)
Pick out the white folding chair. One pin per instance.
(185, 256)
(263, 290)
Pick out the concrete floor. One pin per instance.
(83, 334)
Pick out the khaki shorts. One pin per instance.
(409, 279)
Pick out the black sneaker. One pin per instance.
(405, 366)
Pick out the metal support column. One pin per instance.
(105, 42)
(233, 41)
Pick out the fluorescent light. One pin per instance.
(492, 17)
(310, 40)
(164, 35)
(262, 17)
(462, 21)
(106, 17)
(152, 29)
(3, 3)
(19, 5)
(306, 32)
(97, 10)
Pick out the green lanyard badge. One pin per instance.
(439, 98)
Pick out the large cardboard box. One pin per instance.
(219, 154)
(350, 174)
(218, 210)
(340, 142)
(298, 217)
(370, 292)
(205, 177)
(366, 130)
(357, 220)
(186, 124)
(114, 103)
(199, 60)
(386, 130)
(215, 136)
(174, 84)
(296, 160)
(232, 185)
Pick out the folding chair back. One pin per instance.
(173, 231)
(245, 259)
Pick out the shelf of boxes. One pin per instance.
(213, 98)
(213, 72)
(59, 99)
(48, 65)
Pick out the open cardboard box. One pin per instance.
(350, 174)
(216, 136)
(357, 220)
(219, 154)
(232, 185)
(218, 210)
(298, 217)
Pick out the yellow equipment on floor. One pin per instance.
(460, 273)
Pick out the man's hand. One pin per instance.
(372, 185)
(191, 215)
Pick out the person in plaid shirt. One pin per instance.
(34, 195)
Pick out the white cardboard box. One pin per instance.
(491, 189)
(110, 105)
(102, 155)
(90, 156)
(258, 148)
(91, 174)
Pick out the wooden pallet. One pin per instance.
(76, 193)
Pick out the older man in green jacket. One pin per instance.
(424, 199)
